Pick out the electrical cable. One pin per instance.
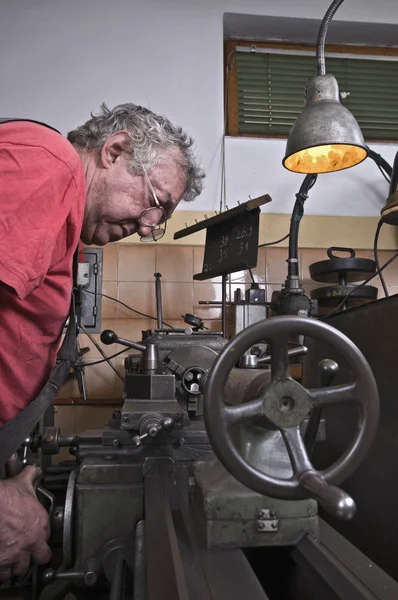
(376, 255)
(383, 173)
(100, 350)
(394, 176)
(359, 286)
(383, 165)
(127, 306)
(97, 362)
(276, 242)
(297, 215)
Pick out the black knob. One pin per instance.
(108, 337)
(193, 321)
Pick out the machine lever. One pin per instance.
(89, 576)
(152, 428)
(109, 337)
(332, 499)
(158, 293)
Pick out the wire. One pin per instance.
(100, 350)
(383, 173)
(376, 255)
(276, 242)
(378, 271)
(97, 362)
(127, 306)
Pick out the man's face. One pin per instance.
(116, 199)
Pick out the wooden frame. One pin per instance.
(231, 77)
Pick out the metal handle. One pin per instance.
(331, 498)
(332, 249)
(300, 351)
(89, 575)
(41, 491)
(109, 337)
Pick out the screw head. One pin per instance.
(116, 442)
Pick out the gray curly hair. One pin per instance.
(154, 139)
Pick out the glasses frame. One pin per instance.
(157, 230)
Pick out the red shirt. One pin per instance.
(42, 196)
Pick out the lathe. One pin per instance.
(203, 485)
(165, 504)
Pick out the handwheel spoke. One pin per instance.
(335, 395)
(243, 412)
(296, 450)
(279, 358)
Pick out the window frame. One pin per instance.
(231, 76)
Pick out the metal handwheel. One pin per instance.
(283, 404)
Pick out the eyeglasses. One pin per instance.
(153, 217)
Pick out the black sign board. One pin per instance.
(231, 239)
(231, 246)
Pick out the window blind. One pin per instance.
(271, 92)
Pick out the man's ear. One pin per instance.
(114, 147)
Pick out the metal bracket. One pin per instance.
(90, 279)
(267, 521)
(152, 467)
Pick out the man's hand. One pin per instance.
(24, 525)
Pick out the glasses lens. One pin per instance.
(153, 217)
(154, 236)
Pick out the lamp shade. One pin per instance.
(326, 136)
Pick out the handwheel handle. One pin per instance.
(332, 499)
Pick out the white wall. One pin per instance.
(61, 58)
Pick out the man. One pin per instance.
(121, 173)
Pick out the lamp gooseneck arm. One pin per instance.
(320, 48)
(297, 214)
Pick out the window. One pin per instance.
(265, 87)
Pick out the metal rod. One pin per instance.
(224, 304)
(158, 291)
(117, 587)
(139, 563)
(328, 370)
(300, 351)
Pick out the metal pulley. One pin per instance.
(343, 272)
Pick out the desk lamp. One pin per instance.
(325, 136)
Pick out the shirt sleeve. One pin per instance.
(37, 190)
